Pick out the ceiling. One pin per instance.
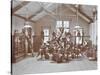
(33, 11)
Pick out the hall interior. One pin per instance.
(46, 34)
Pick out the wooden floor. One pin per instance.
(30, 65)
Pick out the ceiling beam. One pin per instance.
(91, 20)
(50, 13)
(43, 9)
(80, 10)
(80, 13)
(20, 16)
(23, 18)
(38, 12)
(19, 6)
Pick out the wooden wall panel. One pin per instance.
(37, 43)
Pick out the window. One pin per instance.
(59, 24)
(46, 35)
(64, 24)
(78, 34)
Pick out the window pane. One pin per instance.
(46, 39)
(80, 32)
(66, 24)
(78, 35)
(46, 32)
(59, 24)
(78, 40)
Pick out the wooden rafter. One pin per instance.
(33, 15)
(91, 20)
(43, 9)
(23, 18)
(80, 13)
(20, 16)
(19, 6)
(50, 13)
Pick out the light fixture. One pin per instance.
(27, 25)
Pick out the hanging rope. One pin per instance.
(77, 15)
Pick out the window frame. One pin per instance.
(46, 35)
(63, 25)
